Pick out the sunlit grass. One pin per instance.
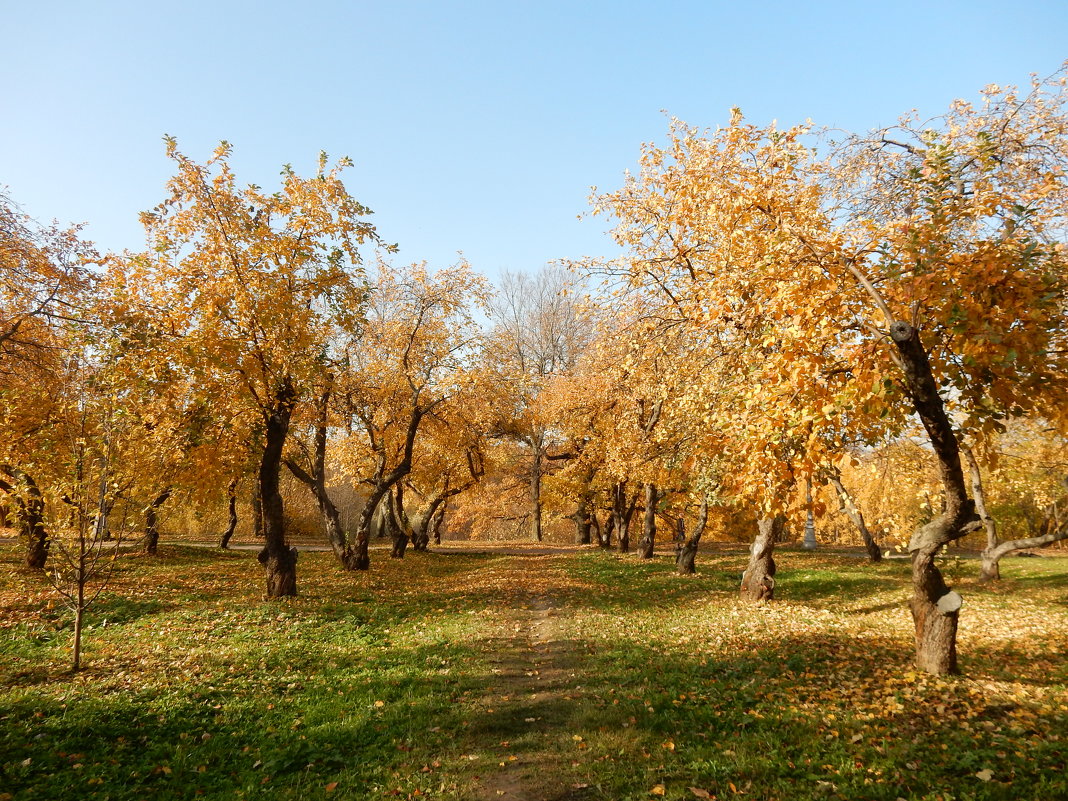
(382, 685)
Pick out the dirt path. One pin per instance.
(527, 706)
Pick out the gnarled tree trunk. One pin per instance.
(935, 608)
(277, 557)
(438, 521)
(30, 504)
(758, 580)
(653, 496)
(686, 549)
(1056, 529)
(151, 521)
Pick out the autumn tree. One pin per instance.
(718, 227)
(538, 331)
(405, 363)
(44, 288)
(247, 290)
(912, 263)
(1030, 458)
(955, 228)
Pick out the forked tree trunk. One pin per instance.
(935, 608)
(758, 580)
(315, 480)
(277, 557)
(358, 557)
(652, 499)
(686, 549)
(152, 520)
(231, 507)
(1056, 529)
(855, 516)
(583, 521)
(990, 569)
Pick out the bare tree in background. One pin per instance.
(539, 331)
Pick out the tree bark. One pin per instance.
(686, 549)
(398, 524)
(27, 497)
(935, 608)
(854, 514)
(758, 580)
(604, 533)
(1056, 530)
(990, 569)
(583, 515)
(277, 557)
(231, 527)
(151, 521)
(359, 558)
(257, 512)
(621, 515)
(439, 519)
(535, 494)
(648, 540)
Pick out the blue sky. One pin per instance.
(475, 126)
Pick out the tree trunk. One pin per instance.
(439, 519)
(621, 515)
(421, 533)
(935, 608)
(990, 569)
(652, 498)
(151, 521)
(30, 503)
(583, 524)
(231, 527)
(398, 527)
(428, 520)
(758, 581)
(79, 616)
(686, 549)
(854, 514)
(604, 533)
(257, 512)
(359, 558)
(535, 495)
(1056, 530)
(278, 558)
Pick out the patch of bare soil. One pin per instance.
(527, 707)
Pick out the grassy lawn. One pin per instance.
(576, 676)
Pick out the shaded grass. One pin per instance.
(376, 685)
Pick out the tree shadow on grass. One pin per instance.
(805, 718)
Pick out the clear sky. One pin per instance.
(475, 126)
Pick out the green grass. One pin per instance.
(382, 685)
